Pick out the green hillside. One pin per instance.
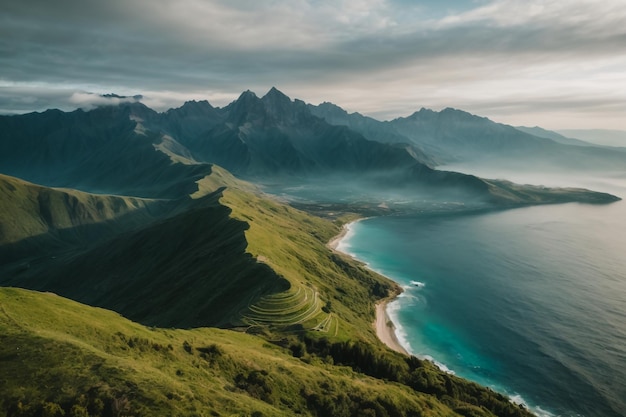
(36, 223)
(59, 358)
(30, 210)
(188, 246)
(230, 257)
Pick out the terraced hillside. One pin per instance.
(59, 358)
(227, 257)
(327, 291)
(111, 366)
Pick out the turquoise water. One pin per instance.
(530, 301)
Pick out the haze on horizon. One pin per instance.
(559, 65)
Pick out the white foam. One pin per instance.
(540, 412)
(344, 243)
(439, 365)
(394, 307)
(401, 334)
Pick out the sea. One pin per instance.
(528, 301)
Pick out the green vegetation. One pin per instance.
(30, 210)
(229, 257)
(508, 193)
(327, 291)
(203, 248)
(59, 357)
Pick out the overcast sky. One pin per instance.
(557, 64)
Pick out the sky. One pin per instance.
(555, 64)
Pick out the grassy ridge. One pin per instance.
(328, 292)
(187, 270)
(30, 210)
(57, 354)
(226, 257)
(229, 257)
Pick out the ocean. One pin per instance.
(528, 301)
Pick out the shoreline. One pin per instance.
(334, 242)
(385, 329)
(384, 326)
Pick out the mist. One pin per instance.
(604, 180)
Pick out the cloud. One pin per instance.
(91, 100)
(382, 55)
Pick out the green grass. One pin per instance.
(56, 351)
(507, 193)
(30, 210)
(322, 282)
(228, 257)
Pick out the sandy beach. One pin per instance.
(385, 329)
(334, 242)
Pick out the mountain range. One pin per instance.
(162, 218)
(130, 149)
(452, 136)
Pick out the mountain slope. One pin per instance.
(456, 136)
(548, 134)
(130, 149)
(187, 270)
(36, 220)
(62, 358)
(108, 365)
(30, 210)
(209, 262)
(104, 150)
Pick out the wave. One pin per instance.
(538, 411)
(401, 334)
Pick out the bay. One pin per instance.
(528, 301)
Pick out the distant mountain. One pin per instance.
(449, 135)
(132, 150)
(452, 136)
(369, 128)
(190, 120)
(273, 136)
(603, 137)
(462, 136)
(548, 134)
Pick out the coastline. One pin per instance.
(334, 242)
(385, 329)
(384, 326)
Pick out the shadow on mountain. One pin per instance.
(188, 270)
